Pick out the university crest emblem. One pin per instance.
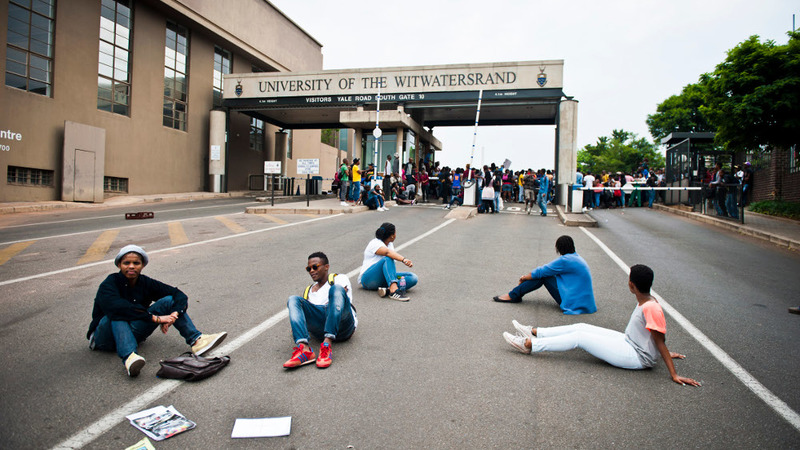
(238, 90)
(541, 80)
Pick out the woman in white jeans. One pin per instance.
(637, 348)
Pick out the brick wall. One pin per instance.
(775, 179)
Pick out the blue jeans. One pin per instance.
(542, 201)
(497, 201)
(596, 203)
(730, 204)
(651, 197)
(124, 336)
(523, 288)
(383, 273)
(334, 320)
(374, 202)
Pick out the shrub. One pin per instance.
(777, 208)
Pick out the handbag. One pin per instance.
(488, 193)
(191, 367)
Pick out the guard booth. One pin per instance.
(689, 156)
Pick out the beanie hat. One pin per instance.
(132, 249)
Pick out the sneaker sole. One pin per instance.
(324, 365)
(300, 365)
(513, 344)
(135, 368)
(525, 332)
(213, 345)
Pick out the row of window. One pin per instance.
(29, 58)
(25, 176)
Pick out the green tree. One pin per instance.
(753, 97)
(623, 151)
(680, 113)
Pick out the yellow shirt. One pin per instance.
(519, 181)
(356, 173)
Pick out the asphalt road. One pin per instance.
(431, 373)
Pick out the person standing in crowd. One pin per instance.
(422, 179)
(638, 348)
(378, 272)
(567, 279)
(718, 189)
(529, 190)
(344, 182)
(355, 190)
(387, 174)
(544, 189)
(588, 197)
(130, 306)
(325, 310)
(747, 181)
(652, 181)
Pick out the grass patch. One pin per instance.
(778, 208)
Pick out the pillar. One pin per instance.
(567, 148)
(217, 151)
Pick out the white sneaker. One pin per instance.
(396, 296)
(134, 364)
(516, 341)
(343, 203)
(525, 330)
(380, 210)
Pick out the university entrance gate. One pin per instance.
(406, 104)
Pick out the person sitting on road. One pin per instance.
(129, 306)
(375, 199)
(325, 310)
(567, 279)
(378, 272)
(400, 195)
(637, 348)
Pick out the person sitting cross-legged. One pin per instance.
(325, 310)
(129, 306)
(638, 348)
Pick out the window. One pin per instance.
(29, 50)
(29, 177)
(222, 66)
(114, 184)
(343, 139)
(794, 159)
(114, 74)
(176, 79)
(256, 134)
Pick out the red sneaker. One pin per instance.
(300, 357)
(324, 359)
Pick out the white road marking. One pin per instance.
(191, 244)
(761, 391)
(105, 423)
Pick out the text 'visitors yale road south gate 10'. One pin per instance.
(413, 101)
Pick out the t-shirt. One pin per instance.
(644, 318)
(343, 173)
(370, 257)
(588, 180)
(320, 298)
(456, 181)
(387, 168)
(356, 174)
(574, 282)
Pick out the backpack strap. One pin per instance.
(331, 277)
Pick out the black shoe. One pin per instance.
(497, 299)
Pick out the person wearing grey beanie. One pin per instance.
(130, 306)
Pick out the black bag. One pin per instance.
(191, 367)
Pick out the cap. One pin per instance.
(131, 249)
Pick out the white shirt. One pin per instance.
(588, 181)
(370, 255)
(320, 297)
(388, 168)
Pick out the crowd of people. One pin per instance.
(426, 182)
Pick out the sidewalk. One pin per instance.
(780, 231)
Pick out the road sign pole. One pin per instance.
(308, 186)
(273, 189)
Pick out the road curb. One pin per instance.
(575, 219)
(777, 239)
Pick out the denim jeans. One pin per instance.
(355, 191)
(596, 203)
(124, 336)
(730, 204)
(650, 198)
(523, 288)
(334, 320)
(383, 273)
(608, 345)
(374, 202)
(497, 200)
(542, 201)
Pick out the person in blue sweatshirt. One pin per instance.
(567, 279)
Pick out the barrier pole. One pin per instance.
(475, 134)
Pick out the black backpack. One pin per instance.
(191, 367)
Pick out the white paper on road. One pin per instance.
(266, 427)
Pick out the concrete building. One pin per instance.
(115, 96)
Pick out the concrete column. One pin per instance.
(280, 149)
(359, 134)
(567, 151)
(217, 151)
(399, 150)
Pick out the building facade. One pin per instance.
(105, 97)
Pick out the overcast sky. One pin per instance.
(621, 58)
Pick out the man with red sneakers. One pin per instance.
(325, 310)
